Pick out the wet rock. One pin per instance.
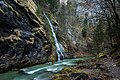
(93, 78)
(79, 76)
(60, 77)
(23, 39)
(103, 68)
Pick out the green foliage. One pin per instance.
(85, 25)
(39, 9)
(85, 22)
(84, 32)
(51, 4)
(98, 36)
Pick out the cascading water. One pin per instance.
(59, 48)
(71, 36)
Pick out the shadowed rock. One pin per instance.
(23, 40)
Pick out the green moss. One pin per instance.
(118, 62)
(115, 54)
(39, 9)
(84, 32)
(102, 54)
(60, 77)
(68, 70)
(54, 21)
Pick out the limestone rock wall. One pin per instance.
(23, 39)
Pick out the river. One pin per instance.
(40, 72)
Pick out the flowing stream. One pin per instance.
(40, 72)
(59, 48)
(43, 71)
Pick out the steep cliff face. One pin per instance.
(23, 40)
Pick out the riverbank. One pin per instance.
(39, 72)
(85, 68)
(94, 69)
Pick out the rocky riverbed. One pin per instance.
(94, 69)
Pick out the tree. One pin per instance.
(111, 13)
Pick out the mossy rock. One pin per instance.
(81, 76)
(54, 21)
(60, 77)
(68, 70)
(80, 61)
(52, 57)
(118, 62)
(101, 55)
(115, 54)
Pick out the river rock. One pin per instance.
(79, 76)
(93, 78)
(23, 39)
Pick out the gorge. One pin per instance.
(59, 48)
(59, 40)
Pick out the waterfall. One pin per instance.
(71, 36)
(59, 47)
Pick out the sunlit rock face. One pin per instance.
(81, 14)
(28, 4)
(23, 40)
(63, 2)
